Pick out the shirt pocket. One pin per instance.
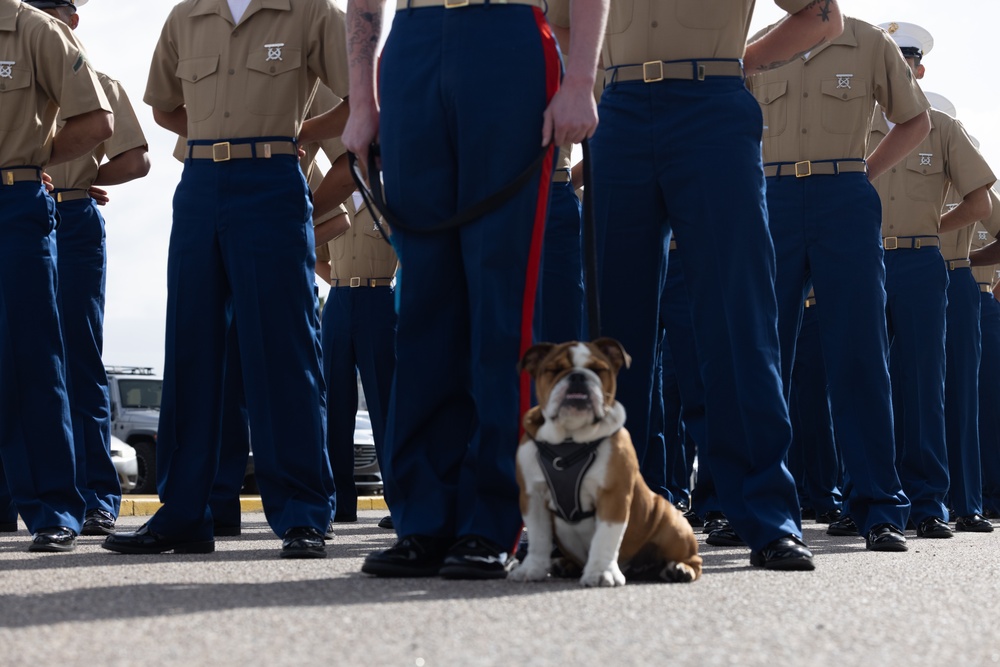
(619, 16)
(925, 182)
(16, 101)
(846, 105)
(774, 105)
(706, 14)
(200, 82)
(273, 82)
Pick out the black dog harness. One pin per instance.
(564, 466)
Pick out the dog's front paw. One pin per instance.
(608, 578)
(529, 570)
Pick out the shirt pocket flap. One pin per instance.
(924, 164)
(15, 79)
(854, 88)
(268, 63)
(195, 69)
(769, 92)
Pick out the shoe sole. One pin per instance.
(787, 564)
(303, 553)
(936, 536)
(842, 533)
(188, 548)
(52, 548)
(973, 530)
(897, 547)
(94, 530)
(398, 572)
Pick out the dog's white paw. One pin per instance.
(529, 570)
(608, 578)
(678, 573)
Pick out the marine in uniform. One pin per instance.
(824, 219)
(82, 256)
(676, 124)
(987, 278)
(359, 335)
(467, 295)
(918, 286)
(242, 249)
(42, 70)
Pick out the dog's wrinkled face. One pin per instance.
(575, 382)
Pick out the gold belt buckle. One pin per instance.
(450, 4)
(8, 178)
(356, 282)
(221, 152)
(59, 197)
(890, 243)
(648, 70)
(917, 243)
(803, 169)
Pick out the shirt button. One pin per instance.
(803, 130)
(194, 77)
(232, 71)
(894, 170)
(844, 96)
(767, 100)
(225, 115)
(892, 198)
(805, 94)
(654, 24)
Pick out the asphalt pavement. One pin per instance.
(243, 605)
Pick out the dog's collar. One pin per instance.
(564, 466)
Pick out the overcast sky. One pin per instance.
(120, 36)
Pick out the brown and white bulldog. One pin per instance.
(580, 481)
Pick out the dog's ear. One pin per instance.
(533, 420)
(614, 351)
(533, 357)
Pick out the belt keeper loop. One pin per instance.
(700, 71)
(836, 168)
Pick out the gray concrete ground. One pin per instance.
(243, 605)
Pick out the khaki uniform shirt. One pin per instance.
(42, 69)
(80, 173)
(248, 80)
(913, 192)
(982, 234)
(323, 101)
(642, 30)
(360, 252)
(820, 107)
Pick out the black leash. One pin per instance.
(374, 198)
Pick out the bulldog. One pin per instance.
(579, 478)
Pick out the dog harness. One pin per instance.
(564, 466)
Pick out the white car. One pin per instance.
(123, 456)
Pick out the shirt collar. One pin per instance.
(221, 7)
(9, 10)
(847, 38)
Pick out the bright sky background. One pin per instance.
(120, 36)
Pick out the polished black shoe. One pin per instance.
(98, 522)
(784, 553)
(303, 542)
(714, 521)
(8, 527)
(843, 527)
(829, 516)
(411, 556)
(53, 540)
(807, 514)
(725, 537)
(885, 537)
(226, 530)
(682, 505)
(975, 523)
(694, 520)
(386, 522)
(474, 557)
(145, 541)
(329, 534)
(935, 528)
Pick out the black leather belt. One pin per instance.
(654, 71)
(815, 168)
(910, 242)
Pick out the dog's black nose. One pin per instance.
(577, 377)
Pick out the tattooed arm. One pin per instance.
(794, 36)
(364, 30)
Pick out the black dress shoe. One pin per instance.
(829, 516)
(714, 521)
(145, 541)
(386, 522)
(53, 540)
(8, 527)
(329, 534)
(682, 505)
(843, 527)
(975, 523)
(303, 542)
(725, 537)
(935, 528)
(98, 522)
(694, 520)
(226, 530)
(411, 556)
(474, 557)
(784, 553)
(885, 537)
